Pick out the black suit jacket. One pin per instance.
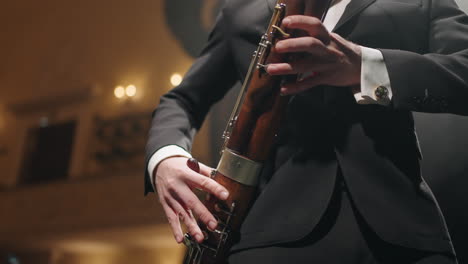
(425, 47)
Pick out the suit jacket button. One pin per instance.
(381, 92)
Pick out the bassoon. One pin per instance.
(249, 136)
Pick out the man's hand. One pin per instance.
(174, 181)
(326, 58)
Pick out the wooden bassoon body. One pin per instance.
(249, 137)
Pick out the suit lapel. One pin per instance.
(353, 9)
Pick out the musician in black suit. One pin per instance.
(344, 183)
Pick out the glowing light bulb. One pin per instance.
(131, 90)
(176, 79)
(119, 92)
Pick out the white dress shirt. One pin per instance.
(374, 74)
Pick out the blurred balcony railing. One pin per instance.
(36, 213)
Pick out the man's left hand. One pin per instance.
(324, 58)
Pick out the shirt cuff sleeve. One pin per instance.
(375, 81)
(162, 154)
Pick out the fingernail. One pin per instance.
(178, 239)
(212, 225)
(224, 195)
(199, 237)
(286, 21)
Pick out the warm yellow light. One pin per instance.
(119, 92)
(176, 79)
(131, 90)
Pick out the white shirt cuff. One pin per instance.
(375, 81)
(162, 154)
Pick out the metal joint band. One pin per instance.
(239, 169)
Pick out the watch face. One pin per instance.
(191, 21)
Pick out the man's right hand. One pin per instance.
(175, 182)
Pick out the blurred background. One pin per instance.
(78, 83)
